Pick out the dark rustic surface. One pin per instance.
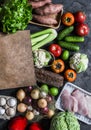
(83, 79)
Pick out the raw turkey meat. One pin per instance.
(82, 102)
(69, 102)
(88, 99)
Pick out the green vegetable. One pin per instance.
(51, 36)
(65, 55)
(74, 39)
(46, 31)
(15, 15)
(64, 121)
(69, 46)
(65, 32)
(38, 39)
(79, 62)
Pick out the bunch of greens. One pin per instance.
(64, 121)
(15, 15)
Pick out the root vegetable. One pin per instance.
(50, 113)
(35, 94)
(45, 19)
(42, 103)
(49, 9)
(20, 94)
(29, 115)
(21, 107)
(37, 4)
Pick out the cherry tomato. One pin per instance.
(80, 17)
(82, 29)
(68, 19)
(55, 49)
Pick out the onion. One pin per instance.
(29, 115)
(50, 113)
(21, 107)
(20, 94)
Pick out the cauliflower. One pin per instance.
(79, 62)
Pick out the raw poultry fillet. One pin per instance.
(69, 102)
(82, 103)
(77, 102)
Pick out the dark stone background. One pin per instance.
(83, 79)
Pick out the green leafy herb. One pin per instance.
(15, 15)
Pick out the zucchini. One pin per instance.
(74, 39)
(69, 46)
(65, 32)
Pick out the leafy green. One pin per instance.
(15, 15)
(64, 121)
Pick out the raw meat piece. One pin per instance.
(82, 103)
(88, 99)
(48, 77)
(69, 102)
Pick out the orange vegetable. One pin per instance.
(70, 75)
(68, 19)
(58, 66)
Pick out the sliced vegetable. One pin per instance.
(70, 46)
(65, 32)
(74, 39)
(58, 66)
(68, 19)
(52, 35)
(70, 75)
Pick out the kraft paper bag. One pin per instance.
(16, 61)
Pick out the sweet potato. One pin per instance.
(37, 4)
(49, 9)
(45, 19)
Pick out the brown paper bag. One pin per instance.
(16, 62)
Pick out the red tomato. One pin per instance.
(82, 29)
(80, 17)
(55, 49)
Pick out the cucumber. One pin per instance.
(69, 46)
(74, 39)
(65, 32)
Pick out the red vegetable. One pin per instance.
(18, 123)
(35, 126)
(82, 29)
(80, 17)
(55, 49)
